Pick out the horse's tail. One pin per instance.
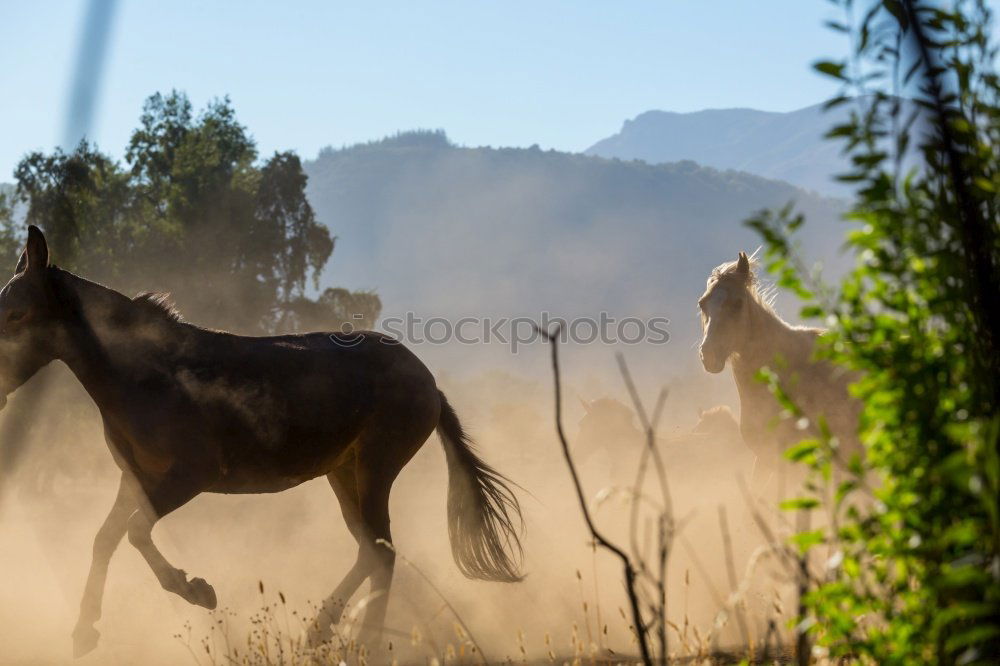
(482, 509)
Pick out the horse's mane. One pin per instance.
(763, 293)
(155, 306)
(146, 309)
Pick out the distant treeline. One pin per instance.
(193, 212)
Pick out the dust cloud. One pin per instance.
(56, 495)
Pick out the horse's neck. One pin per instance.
(90, 342)
(770, 338)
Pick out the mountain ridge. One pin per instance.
(786, 146)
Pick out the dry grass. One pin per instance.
(274, 635)
(276, 638)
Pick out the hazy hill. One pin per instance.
(447, 231)
(786, 146)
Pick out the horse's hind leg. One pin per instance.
(363, 491)
(345, 486)
(374, 485)
(176, 489)
(108, 537)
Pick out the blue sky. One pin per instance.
(303, 75)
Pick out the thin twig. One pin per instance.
(802, 648)
(727, 545)
(629, 570)
(665, 523)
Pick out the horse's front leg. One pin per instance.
(108, 537)
(174, 490)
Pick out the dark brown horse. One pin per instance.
(188, 410)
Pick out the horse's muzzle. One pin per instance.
(712, 363)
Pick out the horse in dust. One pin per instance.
(611, 439)
(188, 410)
(718, 422)
(607, 426)
(740, 326)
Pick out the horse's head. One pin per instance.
(27, 315)
(725, 312)
(717, 421)
(607, 418)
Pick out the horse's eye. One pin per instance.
(15, 316)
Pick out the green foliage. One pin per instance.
(354, 310)
(80, 199)
(193, 213)
(10, 242)
(914, 529)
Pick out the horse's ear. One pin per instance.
(743, 265)
(22, 262)
(36, 253)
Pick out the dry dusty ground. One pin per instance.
(296, 543)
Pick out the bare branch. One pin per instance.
(630, 587)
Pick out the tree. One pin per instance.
(284, 219)
(10, 242)
(81, 198)
(914, 532)
(194, 214)
(354, 310)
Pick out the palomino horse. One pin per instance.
(741, 327)
(188, 410)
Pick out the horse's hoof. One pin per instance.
(370, 638)
(84, 640)
(319, 634)
(200, 593)
(376, 647)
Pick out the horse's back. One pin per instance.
(285, 409)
